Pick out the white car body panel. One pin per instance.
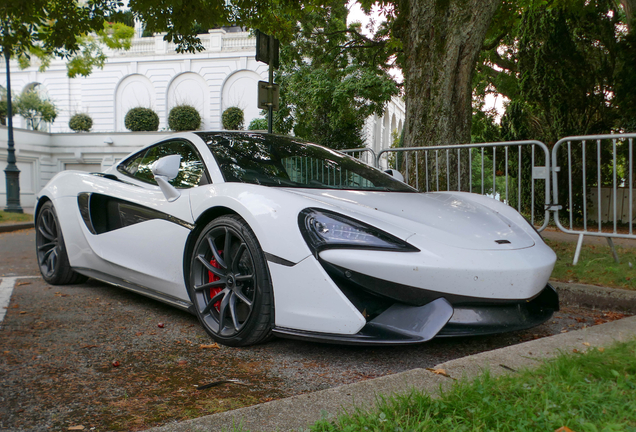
(307, 299)
(516, 274)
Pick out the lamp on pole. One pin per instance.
(12, 173)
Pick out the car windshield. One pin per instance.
(272, 160)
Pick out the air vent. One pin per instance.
(502, 241)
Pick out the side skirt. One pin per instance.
(148, 292)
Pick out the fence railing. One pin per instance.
(364, 154)
(597, 171)
(494, 169)
(588, 181)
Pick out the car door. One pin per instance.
(136, 229)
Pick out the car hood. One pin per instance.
(441, 217)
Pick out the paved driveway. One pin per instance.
(59, 346)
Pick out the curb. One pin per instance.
(15, 226)
(596, 297)
(297, 412)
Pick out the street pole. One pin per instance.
(12, 173)
(270, 109)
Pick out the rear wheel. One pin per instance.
(51, 251)
(229, 283)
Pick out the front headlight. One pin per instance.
(325, 229)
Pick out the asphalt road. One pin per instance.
(97, 356)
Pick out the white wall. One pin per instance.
(153, 75)
(42, 155)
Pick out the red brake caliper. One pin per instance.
(213, 278)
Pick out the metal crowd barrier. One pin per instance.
(364, 154)
(598, 172)
(481, 168)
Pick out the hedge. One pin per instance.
(141, 119)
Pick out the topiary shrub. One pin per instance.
(80, 122)
(233, 118)
(258, 124)
(141, 119)
(184, 118)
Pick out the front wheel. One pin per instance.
(230, 284)
(51, 251)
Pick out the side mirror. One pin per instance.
(164, 170)
(395, 173)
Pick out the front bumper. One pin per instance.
(403, 324)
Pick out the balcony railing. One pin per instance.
(216, 40)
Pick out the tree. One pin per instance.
(568, 69)
(35, 109)
(436, 42)
(327, 92)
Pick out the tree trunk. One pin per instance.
(629, 6)
(442, 40)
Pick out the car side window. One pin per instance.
(191, 173)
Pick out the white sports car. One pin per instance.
(261, 234)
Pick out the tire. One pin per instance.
(51, 251)
(229, 283)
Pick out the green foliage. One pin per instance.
(327, 92)
(35, 109)
(258, 124)
(49, 25)
(120, 16)
(184, 118)
(568, 69)
(141, 119)
(80, 122)
(56, 28)
(3, 112)
(233, 118)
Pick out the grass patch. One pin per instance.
(596, 265)
(15, 217)
(587, 392)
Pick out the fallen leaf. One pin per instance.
(160, 325)
(182, 362)
(439, 372)
(22, 312)
(74, 428)
(586, 343)
(564, 429)
(116, 363)
(139, 333)
(601, 349)
(23, 283)
(575, 350)
(214, 345)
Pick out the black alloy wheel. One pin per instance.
(230, 284)
(51, 251)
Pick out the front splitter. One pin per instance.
(404, 324)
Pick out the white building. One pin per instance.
(151, 74)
